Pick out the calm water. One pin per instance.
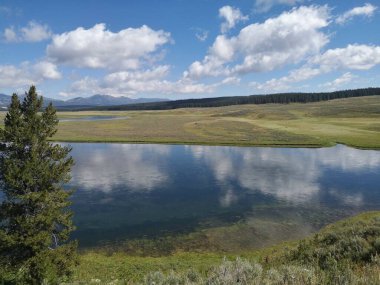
(130, 191)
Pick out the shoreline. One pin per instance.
(189, 143)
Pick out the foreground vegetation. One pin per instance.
(352, 121)
(346, 252)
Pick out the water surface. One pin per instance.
(129, 191)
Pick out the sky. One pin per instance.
(180, 49)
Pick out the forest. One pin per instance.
(280, 98)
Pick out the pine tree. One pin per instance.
(35, 221)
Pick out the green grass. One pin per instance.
(346, 250)
(353, 121)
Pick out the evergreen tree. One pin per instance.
(35, 221)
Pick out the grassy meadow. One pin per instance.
(353, 121)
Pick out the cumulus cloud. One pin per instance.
(351, 57)
(358, 57)
(13, 76)
(367, 10)
(27, 74)
(231, 17)
(130, 83)
(284, 83)
(47, 70)
(266, 5)
(98, 47)
(152, 81)
(338, 82)
(32, 32)
(286, 39)
(150, 74)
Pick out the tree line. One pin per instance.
(280, 98)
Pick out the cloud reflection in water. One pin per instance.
(110, 166)
(288, 174)
(291, 175)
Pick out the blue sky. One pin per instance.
(187, 49)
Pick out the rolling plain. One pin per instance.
(353, 121)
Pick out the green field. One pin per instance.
(353, 121)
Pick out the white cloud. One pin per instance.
(358, 57)
(27, 74)
(130, 83)
(272, 85)
(47, 70)
(152, 81)
(231, 16)
(151, 74)
(10, 35)
(266, 5)
(232, 80)
(210, 66)
(286, 39)
(367, 10)
(284, 83)
(338, 82)
(201, 35)
(352, 57)
(98, 47)
(15, 77)
(33, 32)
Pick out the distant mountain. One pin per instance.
(5, 100)
(106, 100)
(92, 101)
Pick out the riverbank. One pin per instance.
(354, 122)
(342, 253)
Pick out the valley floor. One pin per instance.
(354, 122)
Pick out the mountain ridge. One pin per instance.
(91, 101)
